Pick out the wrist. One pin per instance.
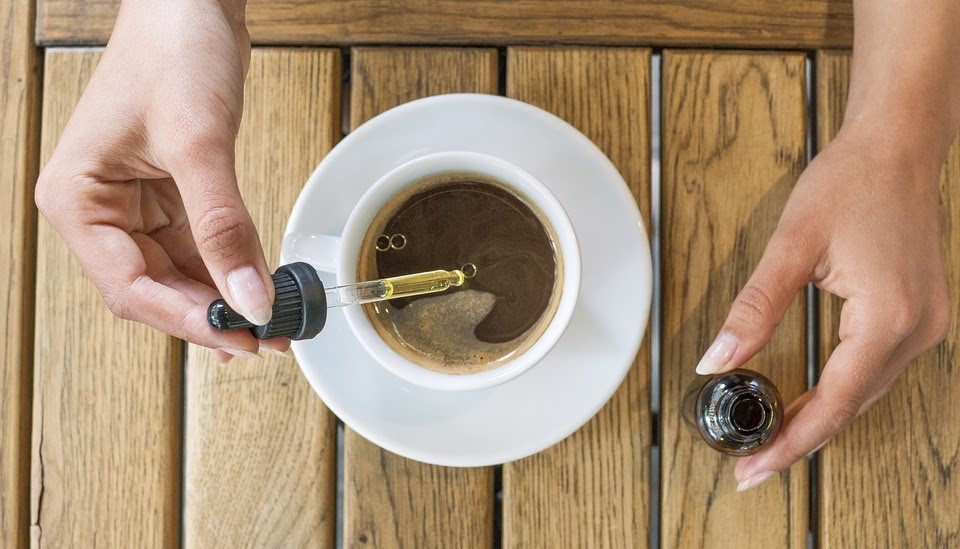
(233, 11)
(911, 138)
(917, 112)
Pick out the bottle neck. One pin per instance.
(738, 412)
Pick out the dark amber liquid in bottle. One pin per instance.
(736, 412)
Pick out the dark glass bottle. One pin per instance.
(736, 412)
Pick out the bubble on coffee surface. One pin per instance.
(398, 241)
(386, 243)
(469, 270)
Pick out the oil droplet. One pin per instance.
(383, 243)
(469, 270)
(398, 241)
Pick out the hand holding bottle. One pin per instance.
(862, 223)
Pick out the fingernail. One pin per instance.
(239, 353)
(277, 352)
(248, 293)
(818, 448)
(221, 357)
(718, 355)
(755, 480)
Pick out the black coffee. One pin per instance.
(447, 222)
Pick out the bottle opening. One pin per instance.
(747, 413)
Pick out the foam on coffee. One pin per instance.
(450, 220)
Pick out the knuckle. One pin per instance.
(195, 144)
(902, 315)
(58, 193)
(789, 239)
(221, 230)
(198, 137)
(793, 451)
(841, 413)
(120, 298)
(938, 324)
(190, 323)
(41, 194)
(753, 306)
(118, 304)
(46, 194)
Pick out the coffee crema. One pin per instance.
(448, 221)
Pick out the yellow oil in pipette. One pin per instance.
(394, 287)
(299, 313)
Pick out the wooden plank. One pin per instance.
(734, 132)
(19, 137)
(107, 401)
(604, 498)
(891, 479)
(390, 501)
(681, 23)
(260, 465)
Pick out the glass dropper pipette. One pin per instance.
(301, 302)
(394, 287)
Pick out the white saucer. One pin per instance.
(562, 392)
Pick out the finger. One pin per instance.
(163, 270)
(145, 300)
(204, 295)
(783, 270)
(234, 343)
(845, 388)
(165, 212)
(222, 357)
(279, 346)
(222, 228)
(182, 250)
(789, 413)
(160, 269)
(798, 403)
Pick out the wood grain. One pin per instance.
(744, 23)
(107, 402)
(19, 137)
(592, 489)
(734, 131)
(260, 465)
(893, 478)
(390, 501)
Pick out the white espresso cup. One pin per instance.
(339, 254)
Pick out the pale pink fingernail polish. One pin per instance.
(718, 355)
(755, 480)
(240, 353)
(277, 352)
(818, 448)
(250, 295)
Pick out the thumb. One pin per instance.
(759, 306)
(224, 232)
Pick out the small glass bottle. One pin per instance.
(736, 412)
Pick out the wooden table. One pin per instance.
(115, 435)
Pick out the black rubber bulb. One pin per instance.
(299, 308)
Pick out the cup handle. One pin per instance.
(319, 250)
